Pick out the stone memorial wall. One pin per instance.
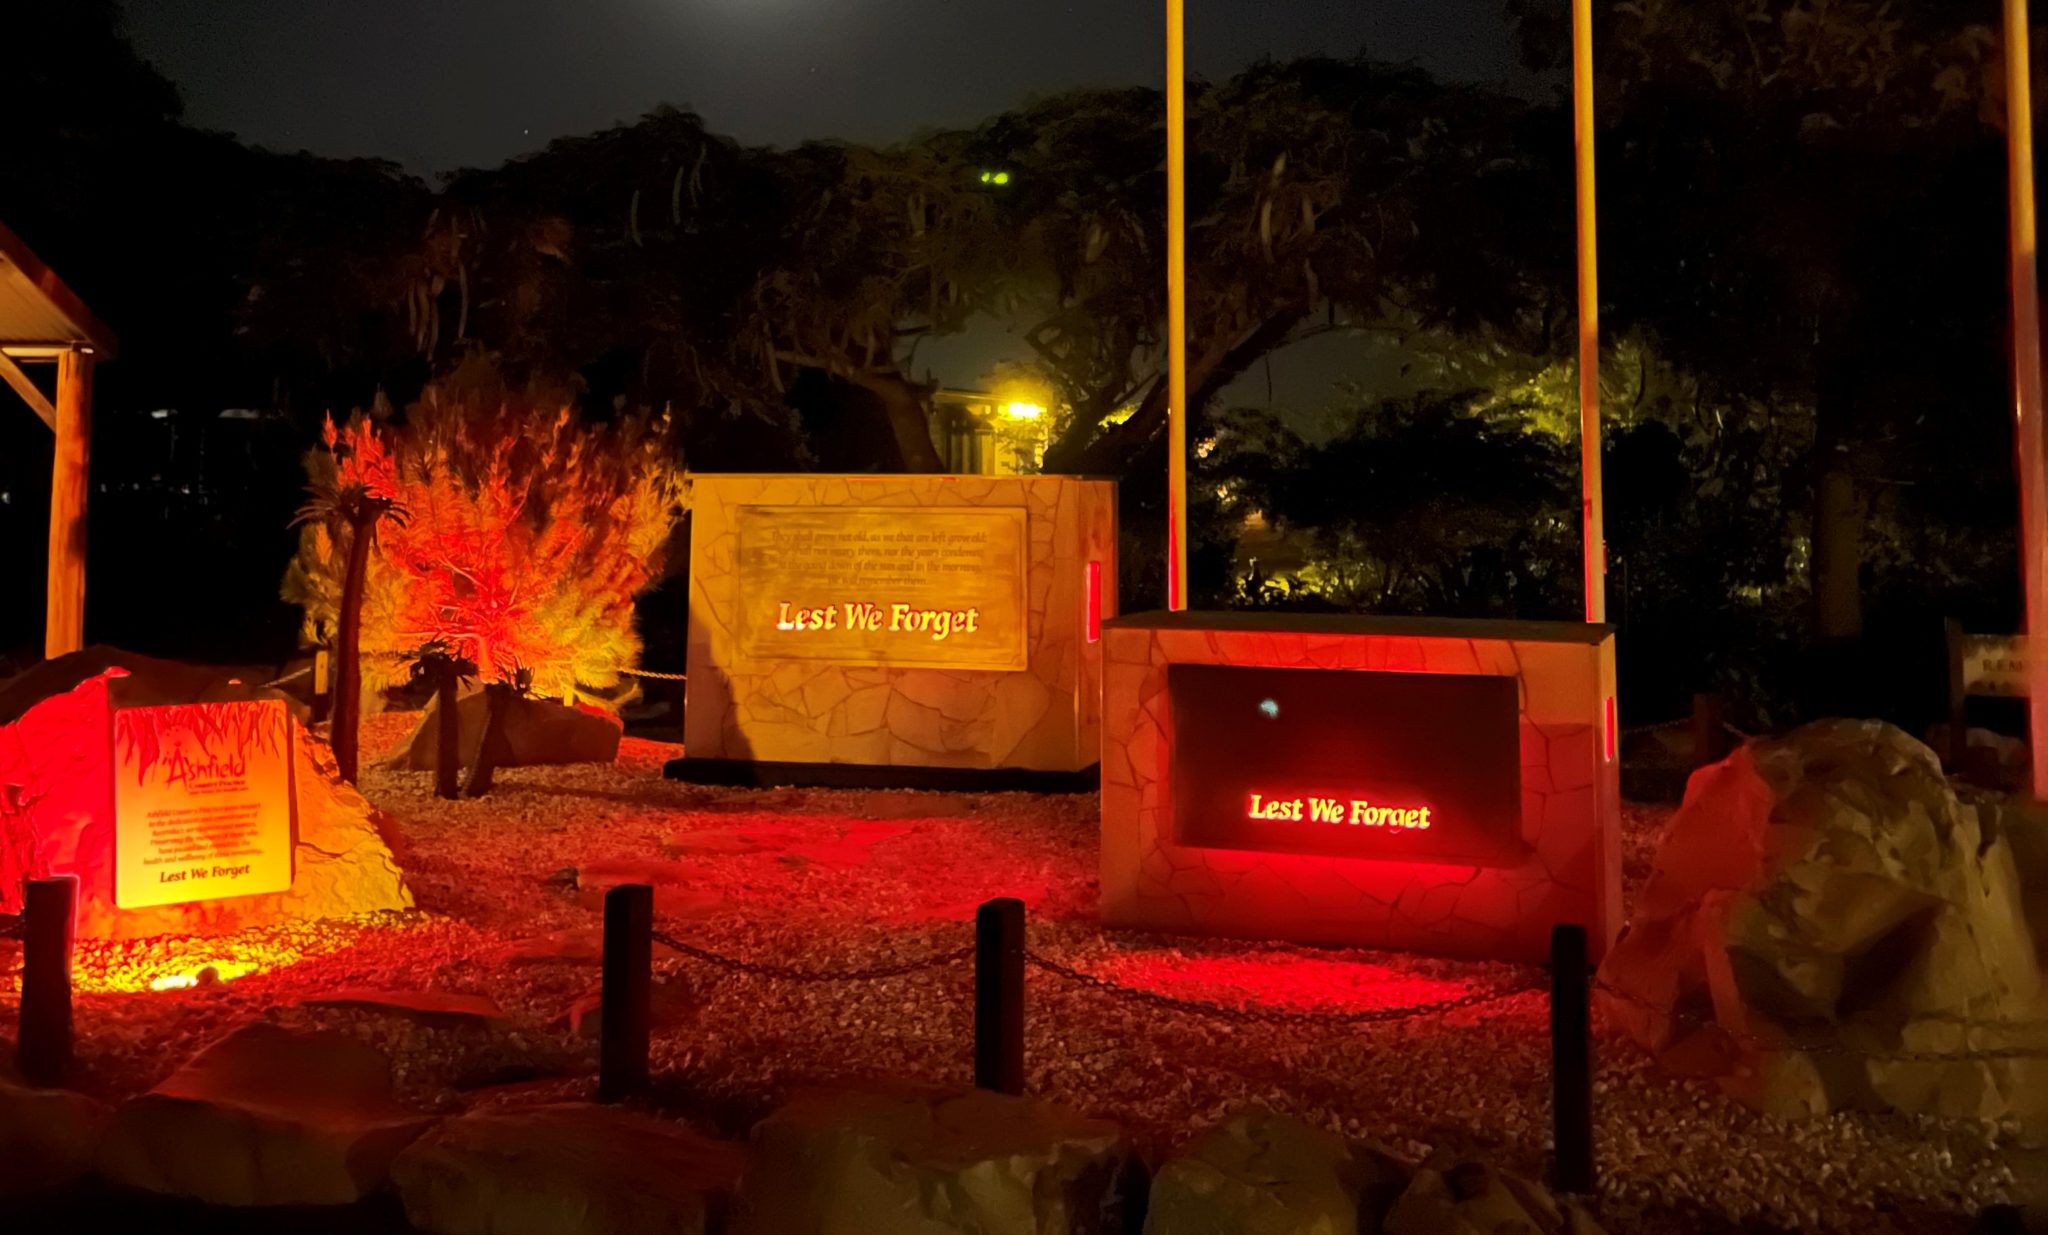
(943, 622)
(1431, 785)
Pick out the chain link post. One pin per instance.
(626, 1004)
(44, 1051)
(1571, 1059)
(999, 996)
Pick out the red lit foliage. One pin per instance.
(527, 534)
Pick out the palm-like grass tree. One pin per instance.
(352, 501)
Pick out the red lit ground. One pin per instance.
(836, 879)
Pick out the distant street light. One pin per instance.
(1024, 411)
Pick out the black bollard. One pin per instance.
(44, 1051)
(999, 996)
(1571, 1059)
(626, 1005)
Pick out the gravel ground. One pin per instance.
(836, 879)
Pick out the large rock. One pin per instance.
(567, 1169)
(47, 1137)
(537, 731)
(1472, 1198)
(1820, 905)
(843, 1163)
(1260, 1173)
(265, 1116)
(56, 816)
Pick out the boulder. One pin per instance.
(565, 1169)
(536, 731)
(47, 1137)
(930, 1163)
(1259, 1173)
(1820, 905)
(671, 1002)
(1471, 1198)
(56, 817)
(265, 1117)
(445, 1009)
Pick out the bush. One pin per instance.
(520, 538)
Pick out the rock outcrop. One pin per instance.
(1822, 905)
(1471, 1198)
(565, 1169)
(536, 731)
(1261, 1173)
(56, 804)
(47, 1137)
(975, 1163)
(265, 1117)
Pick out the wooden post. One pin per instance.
(1592, 529)
(999, 996)
(1571, 1060)
(323, 689)
(44, 1050)
(2026, 362)
(1709, 730)
(447, 729)
(626, 1004)
(1176, 306)
(70, 467)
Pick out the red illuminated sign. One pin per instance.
(1344, 811)
(1408, 767)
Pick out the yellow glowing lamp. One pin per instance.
(1024, 411)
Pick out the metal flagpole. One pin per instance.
(2026, 361)
(1176, 306)
(1591, 513)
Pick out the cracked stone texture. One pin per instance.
(934, 1163)
(1571, 795)
(1045, 718)
(265, 1117)
(1823, 903)
(56, 818)
(565, 1169)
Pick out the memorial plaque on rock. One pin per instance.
(203, 801)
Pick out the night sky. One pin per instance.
(441, 84)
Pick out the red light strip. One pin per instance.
(1613, 732)
(1092, 598)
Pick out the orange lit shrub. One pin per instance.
(526, 536)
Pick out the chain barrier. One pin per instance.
(1789, 1044)
(1264, 1016)
(289, 677)
(1268, 1016)
(790, 973)
(659, 677)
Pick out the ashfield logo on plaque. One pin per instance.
(935, 587)
(202, 801)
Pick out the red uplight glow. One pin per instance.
(1613, 731)
(1093, 594)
